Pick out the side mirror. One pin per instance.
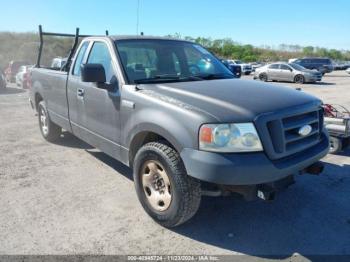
(93, 73)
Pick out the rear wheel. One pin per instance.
(299, 79)
(263, 77)
(165, 191)
(49, 130)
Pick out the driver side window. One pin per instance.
(79, 59)
(100, 55)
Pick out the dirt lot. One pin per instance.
(69, 198)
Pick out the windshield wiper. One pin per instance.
(160, 78)
(214, 76)
(157, 78)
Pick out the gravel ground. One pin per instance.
(68, 198)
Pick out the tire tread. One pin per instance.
(189, 187)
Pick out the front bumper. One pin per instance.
(248, 168)
(313, 78)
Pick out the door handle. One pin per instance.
(80, 92)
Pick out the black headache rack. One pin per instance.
(76, 37)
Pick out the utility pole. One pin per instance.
(137, 17)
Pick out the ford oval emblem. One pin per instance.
(305, 130)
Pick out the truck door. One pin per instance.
(74, 102)
(99, 104)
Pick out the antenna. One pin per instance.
(137, 17)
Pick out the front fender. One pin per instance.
(177, 131)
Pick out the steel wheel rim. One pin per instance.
(43, 121)
(156, 185)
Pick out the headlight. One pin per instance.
(229, 138)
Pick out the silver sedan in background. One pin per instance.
(288, 72)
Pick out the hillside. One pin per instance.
(24, 46)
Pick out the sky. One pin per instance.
(269, 22)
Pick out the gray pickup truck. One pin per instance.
(171, 111)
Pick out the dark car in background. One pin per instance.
(12, 70)
(323, 65)
(235, 69)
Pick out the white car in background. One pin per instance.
(22, 76)
(58, 62)
(246, 69)
(348, 70)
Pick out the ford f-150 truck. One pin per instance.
(179, 118)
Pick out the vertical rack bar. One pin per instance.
(40, 46)
(69, 59)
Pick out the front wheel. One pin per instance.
(49, 130)
(165, 191)
(299, 79)
(263, 77)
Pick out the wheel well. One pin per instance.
(141, 139)
(38, 98)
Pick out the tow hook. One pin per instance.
(315, 169)
(266, 192)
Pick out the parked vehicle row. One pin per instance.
(341, 65)
(180, 125)
(12, 70)
(22, 77)
(235, 69)
(245, 68)
(288, 72)
(256, 65)
(323, 65)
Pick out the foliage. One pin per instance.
(227, 48)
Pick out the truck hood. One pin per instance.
(231, 99)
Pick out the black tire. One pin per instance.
(336, 145)
(185, 190)
(51, 131)
(263, 77)
(247, 73)
(299, 79)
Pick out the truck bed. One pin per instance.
(52, 84)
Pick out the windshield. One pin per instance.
(149, 61)
(297, 67)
